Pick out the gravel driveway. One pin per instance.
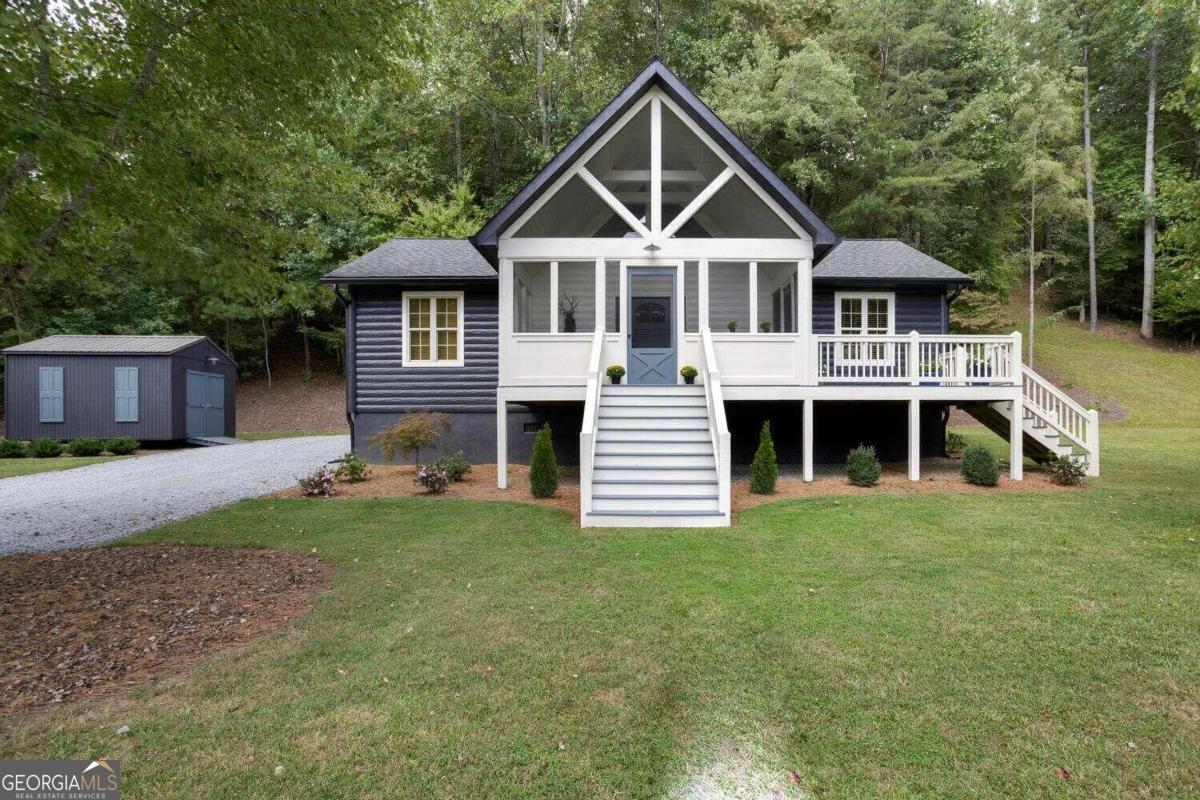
(102, 502)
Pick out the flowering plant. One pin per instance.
(433, 479)
(318, 483)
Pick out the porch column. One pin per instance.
(807, 440)
(702, 285)
(914, 440)
(501, 443)
(1016, 443)
(601, 311)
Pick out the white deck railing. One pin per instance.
(587, 432)
(917, 359)
(718, 427)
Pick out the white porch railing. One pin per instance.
(1053, 406)
(917, 359)
(718, 428)
(587, 433)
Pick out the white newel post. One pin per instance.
(501, 444)
(1093, 441)
(914, 364)
(914, 440)
(1016, 433)
(807, 436)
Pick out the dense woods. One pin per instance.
(196, 166)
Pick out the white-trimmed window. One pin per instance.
(433, 329)
(865, 314)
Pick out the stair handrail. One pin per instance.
(587, 433)
(1079, 424)
(718, 425)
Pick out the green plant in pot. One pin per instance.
(689, 373)
(615, 373)
(731, 325)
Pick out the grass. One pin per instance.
(880, 646)
(261, 436)
(11, 467)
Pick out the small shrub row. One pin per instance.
(83, 446)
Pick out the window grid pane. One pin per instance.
(448, 345)
(418, 345)
(851, 315)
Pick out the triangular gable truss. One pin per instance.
(658, 89)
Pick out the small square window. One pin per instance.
(433, 329)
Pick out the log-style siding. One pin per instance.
(381, 382)
(920, 310)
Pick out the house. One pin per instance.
(657, 239)
(153, 388)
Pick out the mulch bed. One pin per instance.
(81, 623)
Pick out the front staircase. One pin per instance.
(1052, 423)
(653, 462)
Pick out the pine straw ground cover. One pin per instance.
(81, 623)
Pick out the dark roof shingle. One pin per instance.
(415, 259)
(889, 260)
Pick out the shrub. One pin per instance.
(955, 442)
(352, 469)
(764, 470)
(433, 479)
(455, 465)
(85, 446)
(543, 468)
(318, 483)
(11, 448)
(1065, 471)
(121, 445)
(412, 434)
(979, 466)
(862, 467)
(45, 448)
(615, 373)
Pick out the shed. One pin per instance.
(153, 388)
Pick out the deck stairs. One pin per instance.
(654, 463)
(1052, 423)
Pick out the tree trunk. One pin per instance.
(266, 349)
(307, 349)
(540, 78)
(1150, 223)
(1032, 268)
(1093, 310)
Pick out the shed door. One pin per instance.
(205, 404)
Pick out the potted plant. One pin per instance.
(732, 325)
(615, 373)
(689, 374)
(980, 368)
(764, 326)
(928, 370)
(566, 306)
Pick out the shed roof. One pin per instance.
(106, 345)
(416, 259)
(883, 260)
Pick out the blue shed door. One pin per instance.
(126, 394)
(50, 394)
(205, 404)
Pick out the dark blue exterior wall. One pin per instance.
(923, 310)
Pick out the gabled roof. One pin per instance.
(657, 74)
(109, 345)
(883, 261)
(415, 260)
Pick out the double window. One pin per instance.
(433, 329)
(865, 314)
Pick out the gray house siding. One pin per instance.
(923, 310)
(89, 397)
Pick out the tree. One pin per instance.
(543, 468)
(764, 469)
(412, 434)
(1149, 224)
(1047, 162)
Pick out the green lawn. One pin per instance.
(883, 646)
(11, 467)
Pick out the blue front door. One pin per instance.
(652, 323)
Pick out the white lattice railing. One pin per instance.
(917, 359)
